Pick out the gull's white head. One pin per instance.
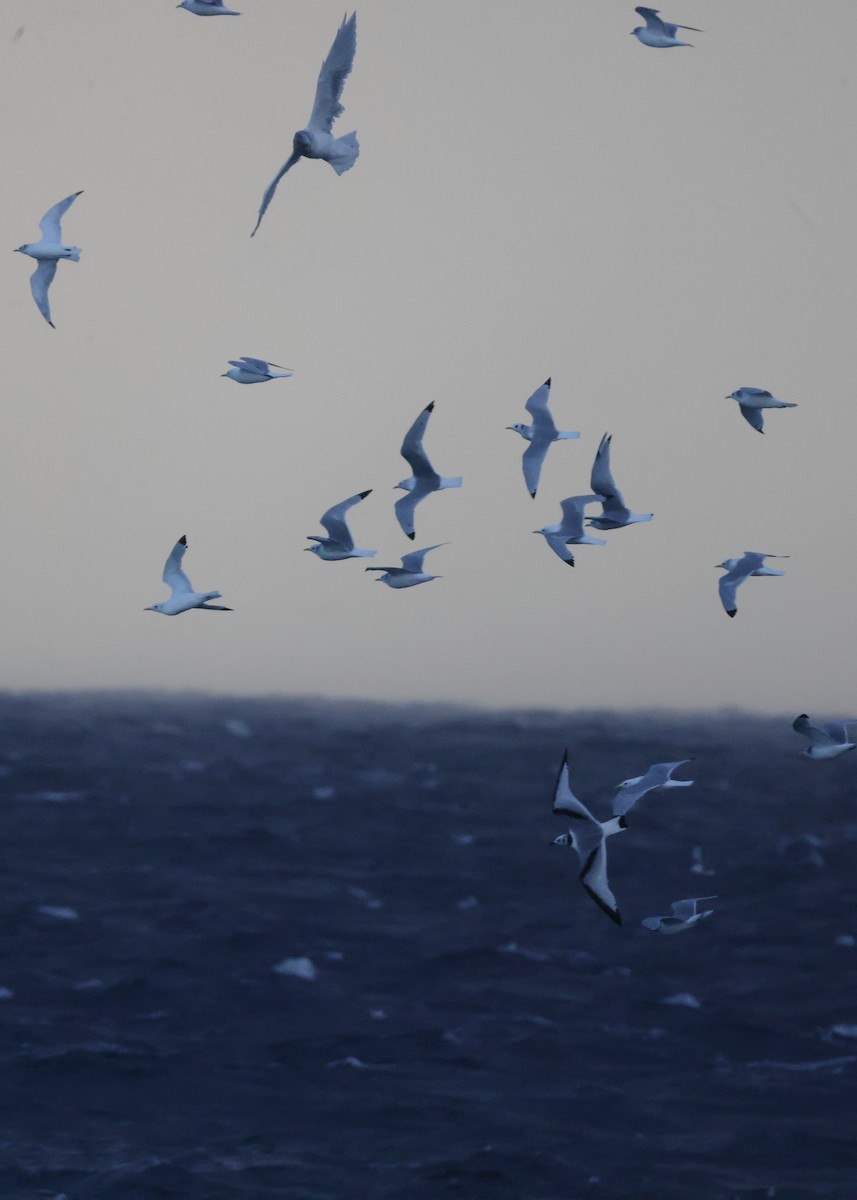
(564, 839)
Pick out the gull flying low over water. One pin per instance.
(657, 32)
(541, 435)
(410, 573)
(47, 252)
(340, 543)
(684, 916)
(825, 741)
(659, 775)
(570, 530)
(254, 370)
(317, 141)
(740, 569)
(751, 401)
(425, 478)
(587, 836)
(183, 596)
(615, 515)
(208, 8)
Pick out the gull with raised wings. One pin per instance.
(541, 434)
(570, 530)
(588, 837)
(659, 775)
(684, 916)
(47, 252)
(425, 478)
(183, 596)
(825, 741)
(657, 32)
(410, 573)
(339, 544)
(254, 370)
(616, 514)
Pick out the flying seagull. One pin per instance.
(825, 741)
(208, 8)
(615, 515)
(657, 32)
(410, 573)
(183, 596)
(340, 543)
(254, 370)
(684, 916)
(659, 775)
(425, 478)
(570, 530)
(729, 563)
(47, 252)
(541, 434)
(751, 401)
(316, 141)
(587, 836)
(742, 569)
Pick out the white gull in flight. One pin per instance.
(183, 596)
(339, 544)
(541, 435)
(659, 33)
(570, 530)
(317, 141)
(825, 741)
(742, 569)
(410, 573)
(208, 8)
(659, 775)
(684, 916)
(425, 478)
(254, 370)
(616, 515)
(752, 400)
(47, 252)
(588, 837)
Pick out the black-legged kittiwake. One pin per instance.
(425, 478)
(208, 8)
(316, 141)
(742, 568)
(183, 596)
(659, 33)
(340, 544)
(588, 837)
(752, 400)
(47, 252)
(540, 434)
(659, 775)
(410, 573)
(825, 741)
(684, 916)
(616, 515)
(254, 370)
(570, 530)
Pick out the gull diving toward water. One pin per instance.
(410, 573)
(183, 596)
(425, 478)
(684, 916)
(751, 401)
(588, 837)
(570, 530)
(254, 370)
(208, 8)
(659, 775)
(657, 32)
(825, 741)
(615, 515)
(740, 569)
(340, 543)
(47, 252)
(541, 434)
(316, 141)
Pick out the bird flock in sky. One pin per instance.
(586, 834)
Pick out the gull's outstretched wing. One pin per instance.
(594, 879)
(253, 364)
(331, 78)
(685, 910)
(566, 803)
(753, 416)
(334, 520)
(729, 583)
(173, 576)
(572, 515)
(412, 447)
(406, 506)
(537, 407)
(601, 479)
(650, 16)
(40, 281)
(272, 187)
(414, 560)
(533, 460)
(50, 222)
(839, 730)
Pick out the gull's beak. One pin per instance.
(150, 609)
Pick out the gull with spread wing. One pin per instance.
(659, 33)
(425, 478)
(570, 530)
(254, 370)
(825, 741)
(684, 916)
(208, 8)
(541, 434)
(317, 141)
(410, 573)
(47, 252)
(588, 837)
(183, 596)
(659, 775)
(742, 568)
(752, 400)
(615, 514)
(339, 544)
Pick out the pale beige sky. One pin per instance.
(537, 194)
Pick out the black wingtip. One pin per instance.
(52, 325)
(533, 494)
(183, 540)
(547, 382)
(623, 824)
(570, 561)
(802, 717)
(363, 495)
(730, 612)
(412, 536)
(429, 407)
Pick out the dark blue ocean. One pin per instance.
(326, 951)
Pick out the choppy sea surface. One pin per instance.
(326, 951)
